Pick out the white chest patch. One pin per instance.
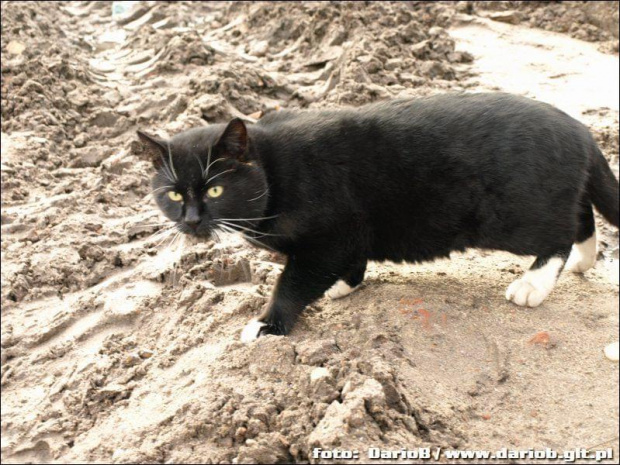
(535, 285)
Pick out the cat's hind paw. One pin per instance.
(252, 331)
(583, 256)
(339, 290)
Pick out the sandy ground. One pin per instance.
(120, 344)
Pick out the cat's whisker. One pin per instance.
(235, 226)
(165, 171)
(202, 168)
(255, 234)
(258, 243)
(157, 235)
(256, 198)
(175, 256)
(255, 241)
(167, 186)
(261, 233)
(205, 173)
(229, 230)
(176, 234)
(214, 162)
(209, 165)
(226, 229)
(249, 219)
(171, 163)
(216, 235)
(166, 234)
(160, 223)
(167, 223)
(218, 174)
(169, 227)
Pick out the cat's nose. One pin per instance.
(192, 217)
(192, 222)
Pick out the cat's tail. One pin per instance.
(603, 188)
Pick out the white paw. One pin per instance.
(523, 293)
(251, 330)
(583, 256)
(535, 285)
(339, 290)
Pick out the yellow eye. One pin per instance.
(215, 191)
(175, 196)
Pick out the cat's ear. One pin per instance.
(153, 149)
(234, 140)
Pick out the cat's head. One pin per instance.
(207, 177)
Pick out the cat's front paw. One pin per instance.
(339, 290)
(255, 329)
(251, 331)
(525, 293)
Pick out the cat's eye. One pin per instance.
(215, 191)
(175, 196)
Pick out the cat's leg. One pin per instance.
(304, 279)
(349, 282)
(583, 255)
(539, 280)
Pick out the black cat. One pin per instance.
(404, 180)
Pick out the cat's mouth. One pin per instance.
(199, 233)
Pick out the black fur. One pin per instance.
(405, 180)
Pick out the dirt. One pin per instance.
(120, 344)
(590, 21)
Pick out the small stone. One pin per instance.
(509, 16)
(435, 69)
(346, 388)
(88, 157)
(77, 98)
(436, 31)
(15, 48)
(392, 64)
(611, 351)
(373, 66)
(543, 339)
(146, 353)
(318, 373)
(131, 360)
(316, 352)
(463, 7)
(420, 48)
(80, 140)
(259, 49)
(105, 118)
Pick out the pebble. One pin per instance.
(318, 373)
(611, 351)
(15, 48)
(259, 48)
(132, 360)
(510, 17)
(145, 353)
